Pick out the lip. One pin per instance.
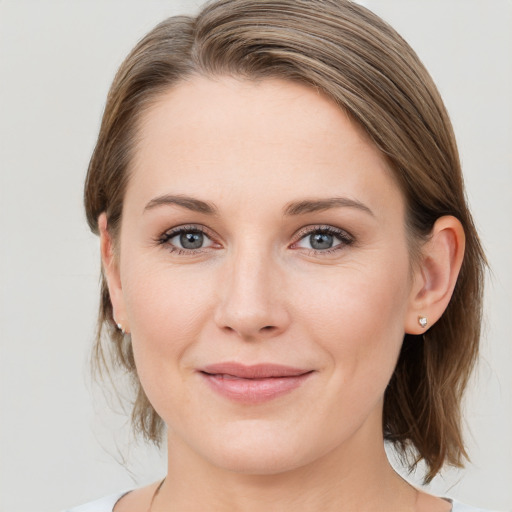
(255, 383)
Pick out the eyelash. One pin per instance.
(169, 235)
(343, 236)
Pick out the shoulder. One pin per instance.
(461, 507)
(105, 504)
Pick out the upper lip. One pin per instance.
(255, 371)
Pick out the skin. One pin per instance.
(256, 291)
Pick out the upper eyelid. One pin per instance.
(187, 227)
(346, 239)
(301, 231)
(306, 230)
(297, 236)
(165, 238)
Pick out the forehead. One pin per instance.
(227, 109)
(254, 138)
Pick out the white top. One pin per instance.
(107, 505)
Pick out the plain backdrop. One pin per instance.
(60, 444)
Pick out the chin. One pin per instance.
(264, 452)
(250, 462)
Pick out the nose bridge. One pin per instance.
(251, 301)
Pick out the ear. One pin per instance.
(111, 270)
(436, 274)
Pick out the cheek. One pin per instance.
(166, 311)
(359, 320)
(359, 325)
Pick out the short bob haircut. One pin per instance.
(352, 56)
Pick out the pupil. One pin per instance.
(321, 241)
(191, 240)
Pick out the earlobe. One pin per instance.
(436, 275)
(111, 271)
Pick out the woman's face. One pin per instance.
(261, 227)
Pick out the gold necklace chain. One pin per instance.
(157, 490)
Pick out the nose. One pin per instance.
(252, 297)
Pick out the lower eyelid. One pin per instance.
(206, 239)
(344, 239)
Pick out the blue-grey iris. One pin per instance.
(191, 240)
(321, 241)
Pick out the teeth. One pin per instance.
(227, 376)
(231, 377)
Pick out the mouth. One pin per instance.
(255, 383)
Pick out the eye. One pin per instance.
(323, 239)
(186, 239)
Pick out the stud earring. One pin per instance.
(120, 327)
(423, 321)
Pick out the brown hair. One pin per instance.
(355, 58)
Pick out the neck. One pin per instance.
(353, 476)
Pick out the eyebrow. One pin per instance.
(291, 209)
(190, 203)
(316, 205)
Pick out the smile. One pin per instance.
(253, 384)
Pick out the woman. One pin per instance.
(290, 272)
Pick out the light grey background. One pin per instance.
(59, 443)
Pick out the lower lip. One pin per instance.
(254, 391)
